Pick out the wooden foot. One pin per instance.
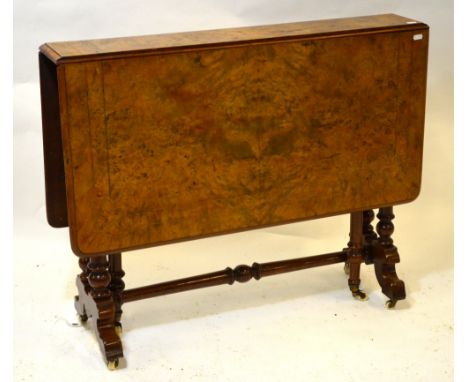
(95, 301)
(355, 255)
(385, 256)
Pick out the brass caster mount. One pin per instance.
(118, 328)
(360, 295)
(113, 364)
(346, 268)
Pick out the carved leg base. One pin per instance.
(378, 250)
(385, 256)
(94, 302)
(360, 295)
(384, 264)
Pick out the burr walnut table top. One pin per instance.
(185, 135)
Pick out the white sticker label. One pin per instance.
(418, 37)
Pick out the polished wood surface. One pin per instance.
(70, 51)
(355, 257)
(56, 203)
(241, 273)
(191, 143)
(386, 256)
(95, 301)
(117, 285)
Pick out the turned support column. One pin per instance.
(369, 235)
(99, 278)
(367, 228)
(355, 256)
(117, 285)
(83, 263)
(83, 277)
(100, 308)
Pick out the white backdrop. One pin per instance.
(425, 225)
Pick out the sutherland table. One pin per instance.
(156, 139)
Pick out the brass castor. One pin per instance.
(118, 328)
(390, 304)
(113, 364)
(346, 268)
(360, 295)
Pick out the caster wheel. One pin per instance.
(118, 328)
(360, 295)
(114, 364)
(82, 318)
(390, 304)
(346, 268)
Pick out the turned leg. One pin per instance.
(103, 309)
(355, 256)
(95, 302)
(385, 256)
(83, 276)
(117, 286)
(367, 228)
(369, 236)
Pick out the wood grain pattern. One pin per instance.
(56, 201)
(386, 257)
(70, 51)
(165, 147)
(95, 302)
